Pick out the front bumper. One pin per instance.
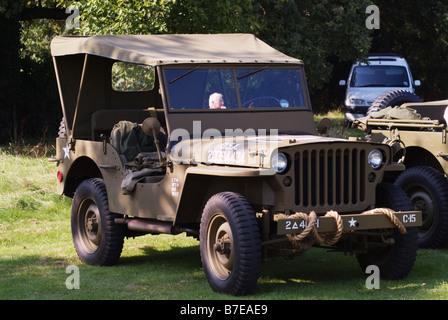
(357, 109)
(350, 222)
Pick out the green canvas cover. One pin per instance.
(129, 140)
(400, 112)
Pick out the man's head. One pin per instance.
(216, 101)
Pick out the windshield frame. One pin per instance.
(189, 68)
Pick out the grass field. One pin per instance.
(36, 249)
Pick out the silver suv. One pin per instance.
(369, 79)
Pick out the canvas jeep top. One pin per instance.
(213, 135)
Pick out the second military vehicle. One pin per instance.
(418, 134)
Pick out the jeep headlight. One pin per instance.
(279, 162)
(375, 159)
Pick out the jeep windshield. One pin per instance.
(235, 88)
(379, 76)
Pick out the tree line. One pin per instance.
(328, 35)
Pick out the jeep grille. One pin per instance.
(330, 177)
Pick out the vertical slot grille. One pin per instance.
(330, 177)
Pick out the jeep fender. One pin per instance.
(202, 182)
(96, 161)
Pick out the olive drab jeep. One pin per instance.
(213, 136)
(417, 133)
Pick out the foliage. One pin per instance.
(211, 16)
(316, 31)
(121, 17)
(28, 99)
(419, 31)
(132, 77)
(311, 30)
(327, 35)
(9, 68)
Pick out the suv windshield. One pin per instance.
(204, 88)
(379, 76)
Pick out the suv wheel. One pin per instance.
(97, 238)
(428, 191)
(394, 261)
(392, 98)
(230, 244)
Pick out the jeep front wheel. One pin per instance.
(230, 244)
(97, 238)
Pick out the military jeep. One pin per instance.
(417, 132)
(213, 136)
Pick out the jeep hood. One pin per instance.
(252, 151)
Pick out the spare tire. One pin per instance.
(392, 98)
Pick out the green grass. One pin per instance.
(339, 128)
(36, 248)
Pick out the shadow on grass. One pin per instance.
(176, 273)
(319, 274)
(185, 258)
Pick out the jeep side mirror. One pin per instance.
(342, 83)
(324, 126)
(417, 83)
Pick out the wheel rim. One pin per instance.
(89, 225)
(220, 247)
(423, 202)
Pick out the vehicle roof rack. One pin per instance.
(385, 54)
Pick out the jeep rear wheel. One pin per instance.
(396, 260)
(230, 244)
(427, 189)
(97, 238)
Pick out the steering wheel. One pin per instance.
(249, 103)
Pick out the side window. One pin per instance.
(130, 77)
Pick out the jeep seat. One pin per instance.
(139, 148)
(129, 140)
